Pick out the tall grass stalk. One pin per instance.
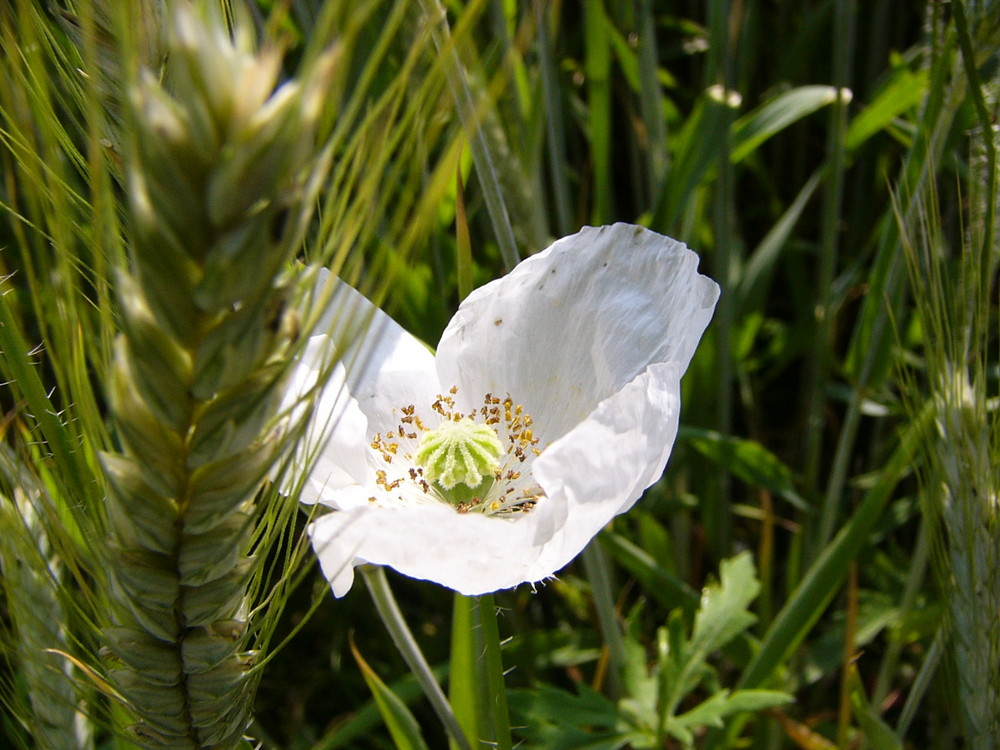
(844, 41)
(869, 361)
(482, 156)
(392, 617)
(725, 21)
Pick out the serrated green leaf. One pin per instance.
(755, 700)
(402, 726)
(677, 674)
(708, 713)
(641, 686)
(721, 617)
(723, 613)
(722, 704)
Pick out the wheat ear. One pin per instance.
(32, 582)
(217, 208)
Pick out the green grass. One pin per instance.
(835, 165)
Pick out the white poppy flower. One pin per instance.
(551, 405)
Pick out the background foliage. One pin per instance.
(835, 165)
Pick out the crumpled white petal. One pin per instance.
(386, 365)
(604, 464)
(573, 324)
(591, 336)
(379, 366)
(335, 433)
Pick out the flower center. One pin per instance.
(470, 461)
(459, 452)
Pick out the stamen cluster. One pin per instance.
(415, 447)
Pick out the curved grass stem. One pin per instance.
(402, 636)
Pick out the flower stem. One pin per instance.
(392, 617)
(476, 679)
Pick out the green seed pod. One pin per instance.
(207, 557)
(219, 488)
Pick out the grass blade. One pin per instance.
(402, 726)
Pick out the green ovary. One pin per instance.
(459, 452)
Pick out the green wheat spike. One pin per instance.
(966, 456)
(960, 471)
(30, 579)
(215, 169)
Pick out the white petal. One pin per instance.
(380, 368)
(387, 368)
(470, 553)
(332, 447)
(569, 327)
(604, 464)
